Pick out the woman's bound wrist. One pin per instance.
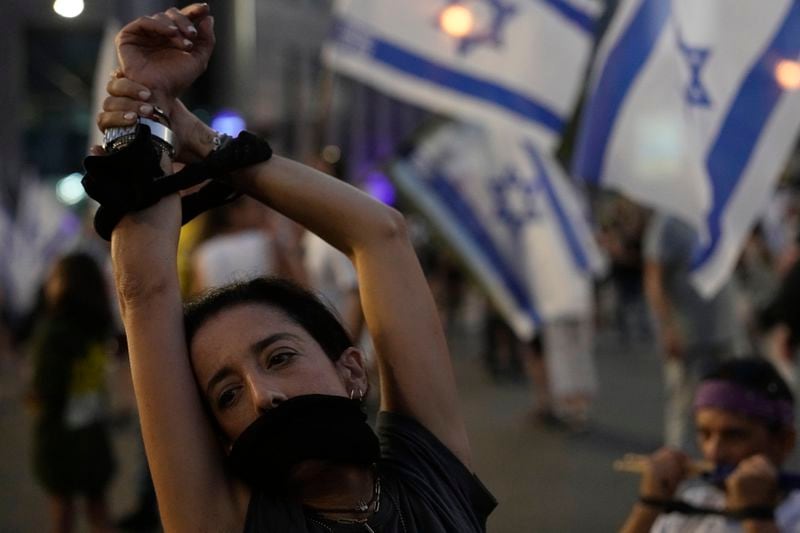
(163, 101)
(195, 138)
(206, 141)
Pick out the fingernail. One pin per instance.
(129, 115)
(192, 30)
(146, 109)
(187, 43)
(172, 27)
(144, 95)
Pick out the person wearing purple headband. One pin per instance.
(744, 420)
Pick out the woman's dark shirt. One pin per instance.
(424, 488)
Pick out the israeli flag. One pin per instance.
(693, 109)
(512, 215)
(516, 64)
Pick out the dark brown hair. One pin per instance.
(299, 304)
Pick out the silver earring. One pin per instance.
(360, 394)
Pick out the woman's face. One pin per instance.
(251, 357)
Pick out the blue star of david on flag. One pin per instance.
(734, 150)
(696, 57)
(515, 199)
(500, 15)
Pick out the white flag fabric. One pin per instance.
(690, 111)
(513, 217)
(521, 67)
(493, 191)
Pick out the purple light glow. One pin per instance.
(378, 186)
(228, 122)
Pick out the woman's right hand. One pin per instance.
(128, 100)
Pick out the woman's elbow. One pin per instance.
(392, 226)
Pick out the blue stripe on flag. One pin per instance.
(420, 67)
(744, 123)
(567, 230)
(618, 75)
(469, 222)
(580, 18)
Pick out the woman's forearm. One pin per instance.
(143, 251)
(144, 256)
(343, 216)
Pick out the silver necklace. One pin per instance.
(361, 507)
(330, 530)
(399, 512)
(363, 521)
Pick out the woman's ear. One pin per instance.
(353, 371)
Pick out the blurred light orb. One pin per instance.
(378, 186)
(69, 189)
(68, 8)
(228, 122)
(331, 154)
(457, 20)
(787, 73)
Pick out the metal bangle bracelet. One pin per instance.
(159, 130)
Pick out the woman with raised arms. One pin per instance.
(250, 397)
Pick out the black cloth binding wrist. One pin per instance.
(681, 507)
(654, 502)
(758, 512)
(131, 179)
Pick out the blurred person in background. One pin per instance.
(69, 345)
(744, 416)
(757, 282)
(558, 363)
(236, 243)
(779, 319)
(694, 333)
(272, 443)
(568, 345)
(503, 354)
(621, 238)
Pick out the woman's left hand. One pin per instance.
(129, 100)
